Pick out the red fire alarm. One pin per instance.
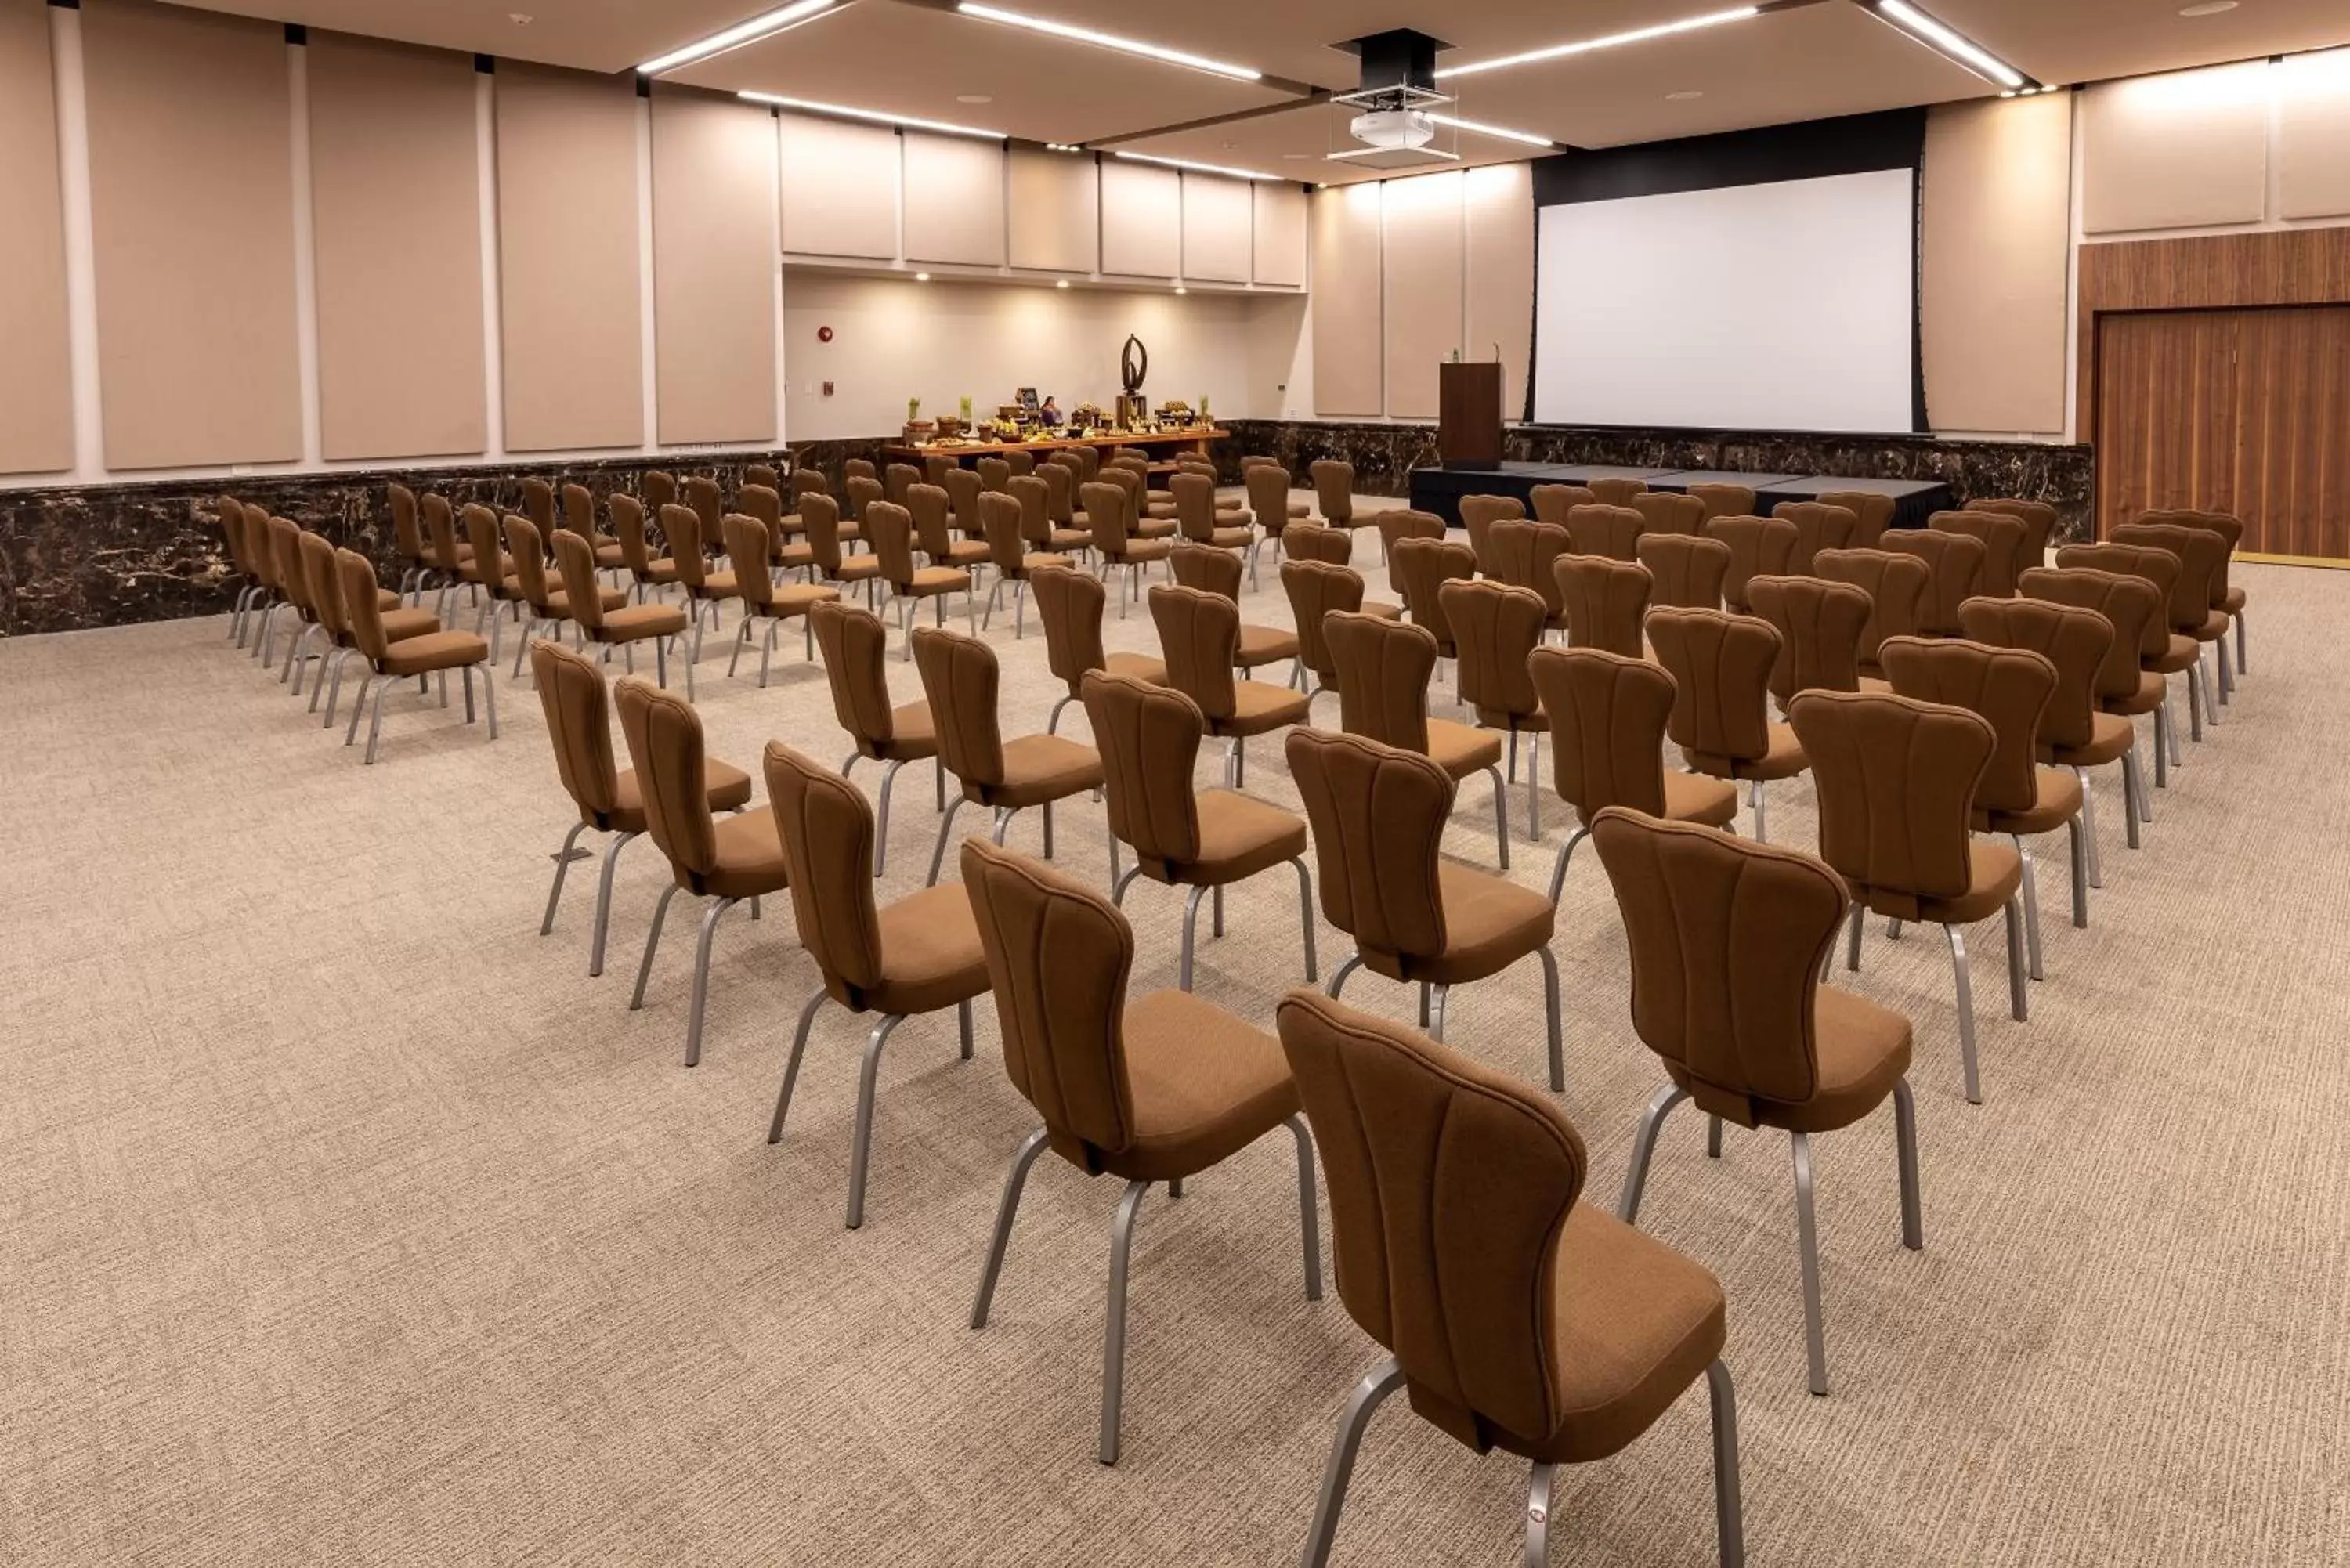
(824, 333)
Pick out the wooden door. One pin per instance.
(2245, 412)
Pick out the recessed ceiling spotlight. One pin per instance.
(1110, 41)
(520, 18)
(1684, 94)
(742, 33)
(1062, 284)
(921, 278)
(2208, 8)
(1181, 289)
(1296, 157)
(972, 97)
(1610, 41)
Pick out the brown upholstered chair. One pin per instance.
(702, 495)
(1617, 492)
(934, 468)
(1109, 515)
(1333, 493)
(1379, 815)
(1724, 500)
(1604, 602)
(919, 955)
(898, 477)
(891, 531)
(994, 475)
(1607, 714)
(1495, 625)
(765, 506)
(571, 692)
(1070, 604)
(446, 548)
(1759, 548)
(623, 627)
(1525, 554)
(1722, 665)
(1313, 542)
(761, 473)
(1155, 1090)
(962, 488)
(858, 468)
(2131, 607)
(1047, 510)
(324, 590)
(724, 859)
(855, 644)
(2195, 619)
(1003, 516)
(706, 592)
(1896, 780)
(1727, 943)
(1267, 487)
(1422, 566)
(820, 517)
(856, 493)
(1401, 522)
(648, 572)
(579, 517)
(1200, 637)
(1384, 668)
(1666, 511)
(656, 489)
(1215, 571)
(489, 572)
(1819, 625)
(1316, 589)
(1684, 572)
(2005, 540)
(1818, 526)
(538, 505)
(1552, 503)
(959, 677)
(2226, 599)
(749, 546)
(282, 542)
(549, 606)
(1153, 510)
(407, 539)
(1517, 1316)
(2011, 688)
(1897, 586)
(2159, 654)
(1149, 740)
(1956, 561)
(1200, 522)
(937, 520)
(2039, 521)
(1874, 510)
(1478, 515)
(249, 548)
(411, 658)
(1603, 529)
(2073, 734)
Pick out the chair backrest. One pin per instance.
(1069, 605)
(1267, 484)
(1818, 526)
(2074, 640)
(898, 477)
(820, 524)
(1334, 487)
(762, 473)
(1554, 502)
(1896, 780)
(230, 513)
(750, 544)
(999, 517)
(2157, 568)
(1494, 626)
(854, 644)
(440, 531)
(629, 528)
(1727, 938)
(1720, 665)
(1446, 1259)
(1108, 515)
(1424, 565)
(579, 509)
(1874, 510)
(2130, 605)
(1402, 522)
(663, 734)
(682, 524)
(1195, 506)
(1021, 463)
(935, 465)
(763, 501)
(2201, 556)
(1206, 569)
(1149, 737)
(1316, 589)
(322, 589)
(1664, 511)
(284, 541)
(579, 725)
(1478, 515)
(480, 526)
(702, 494)
(994, 473)
(1685, 571)
(1377, 815)
(538, 504)
(1313, 542)
(1956, 561)
(859, 468)
(2039, 521)
(1033, 497)
(826, 826)
(574, 564)
(1198, 633)
(1759, 548)
(1086, 458)
(1724, 500)
(809, 482)
(1522, 553)
(2004, 539)
(1383, 667)
(1060, 482)
(1607, 715)
(1606, 602)
(858, 492)
(1058, 955)
(407, 534)
(2008, 687)
(1619, 491)
(657, 488)
(2232, 534)
(1897, 586)
(960, 678)
(963, 487)
(931, 509)
(1605, 529)
(1819, 625)
(359, 607)
(889, 530)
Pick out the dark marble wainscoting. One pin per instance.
(1385, 455)
(115, 555)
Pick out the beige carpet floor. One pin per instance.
(344, 1220)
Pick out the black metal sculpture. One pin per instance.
(1133, 364)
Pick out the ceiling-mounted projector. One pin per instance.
(1392, 128)
(1389, 120)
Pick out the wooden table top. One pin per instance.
(1055, 443)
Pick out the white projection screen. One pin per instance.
(1782, 306)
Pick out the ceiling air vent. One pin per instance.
(1389, 121)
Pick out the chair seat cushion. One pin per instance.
(1229, 539)
(935, 580)
(1205, 1085)
(2111, 736)
(930, 953)
(1694, 798)
(1157, 528)
(1490, 923)
(1261, 645)
(718, 586)
(1041, 768)
(1785, 760)
(400, 625)
(663, 570)
(1864, 1050)
(1143, 549)
(912, 736)
(795, 599)
(1239, 835)
(2215, 627)
(1044, 561)
(1259, 707)
(1385, 612)
(2182, 654)
(2059, 803)
(1462, 749)
(1068, 541)
(608, 553)
(2234, 603)
(2150, 689)
(558, 603)
(433, 650)
(1136, 666)
(637, 623)
(729, 788)
(965, 553)
(750, 858)
(1995, 872)
(856, 569)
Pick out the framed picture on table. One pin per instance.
(1026, 397)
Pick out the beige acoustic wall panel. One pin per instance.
(1997, 202)
(2176, 151)
(840, 188)
(2314, 135)
(1278, 244)
(568, 245)
(1141, 220)
(1499, 209)
(1422, 219)
(714, 263)
(191, 217)
(1348, 364)
(396, 220)
(1218, 221)
(37, 432)
(1055, 216)
(954, 199)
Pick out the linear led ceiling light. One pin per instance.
(1201, 167)
(1935, 36)
(875, 115)
(742, 33)
(1110, 41)
(1481, 129)
(1612, 40)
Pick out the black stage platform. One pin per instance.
(1439, 490)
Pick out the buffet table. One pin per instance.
(1161, 446)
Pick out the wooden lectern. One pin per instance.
(1468, 415)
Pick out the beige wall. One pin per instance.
(954, 199)
(2178, 150)
(1500, 287)
(567, 244)
(396, 220)
(1279, 246)
(1349, 353)
(715, 262)
(1055, 217)
(840, 188)
(1218, 229)
(1421, 230)
(192, 215)
(36, 432)
(1142, 220)
(2312, 150)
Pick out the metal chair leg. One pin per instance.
(2017, 993)
(1565, 854)
(1309, 1219)
(1905, 1151)
(717, 910)
(1644, 1146)
(882, 818)
(1551, 1010)
(1007, 1208)
(1338, 977)
(2088, 820)
(652, 941)
(939, 854)
(1190, 925)
(861, 1145)
(1305, 910)
(563, 859)
(604, 902)
(792, 1063)
(1533, 787)
(1121, 1249)
(1339, 1469)
(1501, 816)
(1966, 1012)
(2076, 833)
(1807, 1248)
(2030, 892)
(1758, 798)
(1538, 1489)
(1728, 1511)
